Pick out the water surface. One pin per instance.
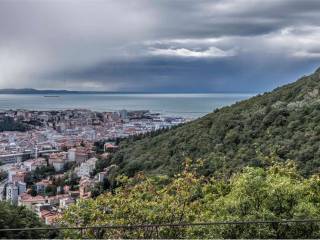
(186, 105)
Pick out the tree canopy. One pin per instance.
(12, 216)
(276, 193)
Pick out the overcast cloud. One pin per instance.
(158, 45)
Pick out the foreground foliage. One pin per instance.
(19, 217)
(284, 123)
(276, 193)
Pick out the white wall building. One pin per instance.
(72, 155)
(58, 165)
(12, 193)
(87, 167)
(32, 164)
(65, 202)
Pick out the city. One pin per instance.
(52, 162)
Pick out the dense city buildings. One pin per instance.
(51, 161)
(49, 131)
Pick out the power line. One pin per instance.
(137, 226)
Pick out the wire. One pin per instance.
(137, 226)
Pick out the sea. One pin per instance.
(187, 105)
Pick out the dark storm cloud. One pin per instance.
(234, 17)
(194, 75)
(167, 45)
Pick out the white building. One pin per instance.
(58, 165)
(87, 167)
(72, 155)
(32, 164)
(77, 155)
(11, 173)
(42, 185)
(65, 202)
(12, 193)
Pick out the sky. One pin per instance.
(246, 46)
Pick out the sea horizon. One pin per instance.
(189, 105)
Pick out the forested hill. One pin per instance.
(280, 125)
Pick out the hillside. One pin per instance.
(283, 124)
(33, 91)
(55, 91)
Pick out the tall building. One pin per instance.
(14, 190)
(12, 193)
(72, 155)
(123, 114)
(58, 164)
(22, 187)
(87, 167)
(78, 155)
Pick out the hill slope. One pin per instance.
(283, 124)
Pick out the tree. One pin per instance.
(139, 200)
(3, 175)
(19, 217)
(50, 190)
(72, 180)
(38, 174)
(33, 191)
(276, 193)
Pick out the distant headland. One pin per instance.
(46, 92)
(62, 91)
